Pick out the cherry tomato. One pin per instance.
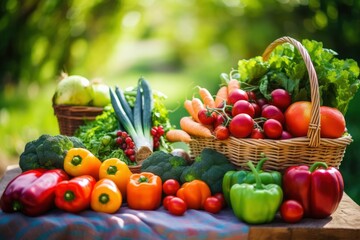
(206, 117)
(221, 197)
(177, 206)
(166, 201)
(212, 205)
(241, 125)
(221, 132)
(291, 211)
(171, 186)
(280, 98)
(273, 128)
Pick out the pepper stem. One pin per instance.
(17, 206)
(104, 198)
(112, 170)
(142, 179)
(76, 160)
(260, 164)
(69, 196)
(256, 175)
(317, 165)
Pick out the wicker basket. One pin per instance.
(71, 117)
(283, 153)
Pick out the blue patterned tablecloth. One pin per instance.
(124, 224)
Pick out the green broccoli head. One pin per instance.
(214, 176)
(210, 166)
(47, 152)
(165, 165)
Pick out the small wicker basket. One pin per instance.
(283, 153)
(71, 117)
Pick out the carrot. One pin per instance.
(206, 97)
(232, 85)
(194, 128)
(197, 106)
(178, 135)
(189, 108)
(221, 96)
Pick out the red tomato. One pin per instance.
(280, 98)
(177, 206)
(219, 120)
(221, 197)
(166, 201)
(212, 205)
(243, 106)
(297, 118)
(206, 117)
(273, 112)
(221, 132)
(332, 122)
(241, 125)
(257, 133)
(273, 129)
(171, 186)
(236, 95)
(291, 211)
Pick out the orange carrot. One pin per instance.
(221, 96)
(189, 108)
(232, 85)
(206, 97)
(194, 128)
(197, 106)
(178, 135)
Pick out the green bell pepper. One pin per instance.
(255, 203)
(243, 176)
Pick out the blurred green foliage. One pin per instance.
(176, 45)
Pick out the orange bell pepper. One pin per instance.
(118, 171)
(194, 193)
(144, 191)
(80, 161)
(106, 196)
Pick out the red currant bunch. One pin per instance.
(156, 133)
(125, 142)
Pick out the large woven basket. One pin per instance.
(70, 118)
(283, 153)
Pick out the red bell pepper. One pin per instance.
(32, 192)
(74, 195)
(319, 188)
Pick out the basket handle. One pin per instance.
(314, 127)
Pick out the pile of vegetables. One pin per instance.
(271, 99)
(142, 123)
(47, 152)
(210, 167)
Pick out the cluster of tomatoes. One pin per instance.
(242, 115)
(177, 206)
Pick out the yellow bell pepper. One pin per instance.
(106, 196)
(80, 161)
(118, 171)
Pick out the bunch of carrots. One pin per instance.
(191, 125)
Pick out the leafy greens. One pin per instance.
(285, 68)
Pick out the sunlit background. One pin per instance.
(175, 44)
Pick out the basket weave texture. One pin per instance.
(283, 153)
(70, 118)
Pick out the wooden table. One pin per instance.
(343, 224)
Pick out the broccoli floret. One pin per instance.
(210, 167)
(165, 165)
(47, 152)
